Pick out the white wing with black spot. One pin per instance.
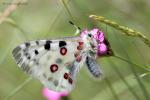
(52, 62)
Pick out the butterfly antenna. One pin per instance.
(78, 29)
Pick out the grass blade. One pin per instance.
(17, 89)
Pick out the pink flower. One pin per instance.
(102, 48)
(83, 33)
(52, 95)
(98, 35)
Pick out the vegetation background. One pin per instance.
(44, 19)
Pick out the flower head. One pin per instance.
(52, 95)
(98, 35)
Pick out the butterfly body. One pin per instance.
(56, 62)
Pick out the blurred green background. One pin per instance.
(44, 19)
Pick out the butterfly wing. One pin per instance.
(52, 62)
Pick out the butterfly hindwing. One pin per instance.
(50, 61)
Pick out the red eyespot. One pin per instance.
(79, 58)
(66, 76)
(63, 51)
(80, 46)
(81, 43)
(53, 68)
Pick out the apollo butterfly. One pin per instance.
(56, 62)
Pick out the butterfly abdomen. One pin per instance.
(93, 67)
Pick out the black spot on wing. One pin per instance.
(37, 42)
(28, 57)
(17, 56)
(27, 44)
(16, 50)
(58, 60)
(26, 53)
(47, 46)
(56, 82)
(62, 43)
(36, 52)
(50, 79)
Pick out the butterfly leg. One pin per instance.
(74, 69)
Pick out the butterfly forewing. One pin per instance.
(50, 61)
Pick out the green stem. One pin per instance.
(66, 7)
(111, 89)
(123, 59)
(114, 67)
(17, 89)
(141, 85)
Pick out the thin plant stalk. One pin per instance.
(66, 7)
(114, 67)
(141, 85)
(123, 59)
(18, 88)
(13, 6)
(111, 89)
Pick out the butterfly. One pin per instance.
(56, 62)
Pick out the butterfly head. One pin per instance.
(97, 40)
